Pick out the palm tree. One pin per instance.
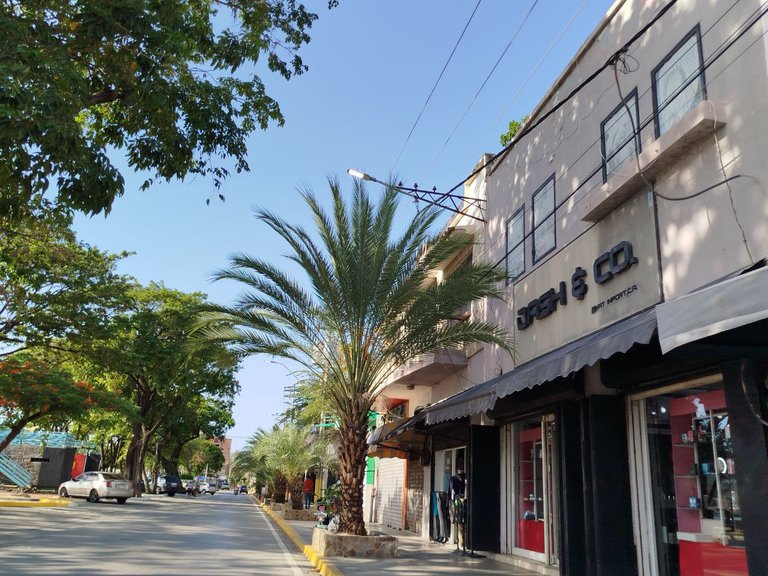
(248, 465)
(368, 308)
(290, 451)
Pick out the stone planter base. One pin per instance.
(290, 514)
(277, 506)
(348, 546)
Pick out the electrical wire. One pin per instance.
(722, 49)
(533, 125)
(424, 107)
(525, 82)
(479, 90)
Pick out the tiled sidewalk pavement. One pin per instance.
(416, 557)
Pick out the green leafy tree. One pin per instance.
(209, 417)
(368, 308)
(200, 455)
(54, 289)
(169, 83)
(34, 390)
(159, 372)
(512, 129)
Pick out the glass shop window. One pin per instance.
(692, 469)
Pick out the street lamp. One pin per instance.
(289, 392)
(457, 203)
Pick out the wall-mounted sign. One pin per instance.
(605, 268)
(607, 273)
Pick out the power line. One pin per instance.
(529, 128)
(522, 86)
(498, 61)
(424, 107)
(716, 55)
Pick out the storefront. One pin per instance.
(532, 525)
(686, 487)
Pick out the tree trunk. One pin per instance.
(16, 429)
(280, 489)
(134, 458)
(352, 451)
(296, 489)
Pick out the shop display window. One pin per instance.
(530, 530)
(536, 469)
(693, 474)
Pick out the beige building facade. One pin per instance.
(628, 433)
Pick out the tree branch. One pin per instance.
(106, 96)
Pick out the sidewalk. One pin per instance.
(416, 557)
(10, 498)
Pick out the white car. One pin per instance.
(206, 488)
(98, 485)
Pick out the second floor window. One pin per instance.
(617, 134)
(516, 245)
(544, 219)
(678, 82)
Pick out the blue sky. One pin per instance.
(371, 67)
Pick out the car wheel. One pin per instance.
(121, 500)
(204, 491)
(93, 496)
(171, 494)
(63, 493)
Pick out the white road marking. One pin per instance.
(288, 556)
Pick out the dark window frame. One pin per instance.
(695, 32)
(520, 212)
(639, 147)
(537, 257)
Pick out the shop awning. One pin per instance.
(585, 351)
(729, 304)
(395, 439)
(618, 337)
(473, 400)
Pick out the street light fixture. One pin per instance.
(457, 203)
(290, 391)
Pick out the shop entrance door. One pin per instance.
(536, 525)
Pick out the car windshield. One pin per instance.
(112, 477)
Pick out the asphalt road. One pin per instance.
(221, 534)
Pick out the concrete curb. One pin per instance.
(38, 503)
(323, 567)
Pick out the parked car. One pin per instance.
(206, 488)
(169, 484)
(98, 485)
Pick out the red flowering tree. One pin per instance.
(33, 390)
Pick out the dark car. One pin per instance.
(243, 489)
(169, 484)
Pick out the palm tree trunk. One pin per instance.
(296, 489)
(280, 489)
(352, 452)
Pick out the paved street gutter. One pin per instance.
(323, 567)
(32, 502)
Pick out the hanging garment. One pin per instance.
(435, 528)
(441, 516)
(445, 505)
